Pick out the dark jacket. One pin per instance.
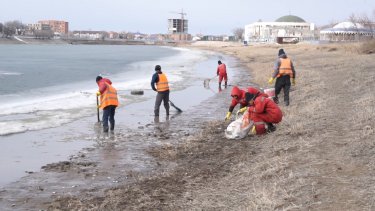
(277, 66)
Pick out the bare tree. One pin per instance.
(1, 27)
(367, 23)
(43, 34)
(13, 27)
(354, 20)
(238, 32)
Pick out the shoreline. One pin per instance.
(134, 121)
(315, 160)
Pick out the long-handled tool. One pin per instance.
(174, 106)
(206, 82)
(97, 107)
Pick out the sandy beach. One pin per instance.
(321, 157)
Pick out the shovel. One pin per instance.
(174, 106)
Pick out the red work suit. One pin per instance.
(222, 72)
(263, 111)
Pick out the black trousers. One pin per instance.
(283, 82)
(109, 115)
(162, 96)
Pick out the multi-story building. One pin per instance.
(178, 29)
(38, 26)
(289, 27)
(60, 27)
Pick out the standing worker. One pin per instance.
(162, 88)
(263, 112)
(222, 73)
(283, 72)
(108, 102)
(238, 97)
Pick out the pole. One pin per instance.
(97, 107)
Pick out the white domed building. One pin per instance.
(346, 31)
(289, 27)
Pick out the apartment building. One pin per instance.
(60, 27)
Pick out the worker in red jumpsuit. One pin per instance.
(222, 73)
(264, 112)
(238, 97)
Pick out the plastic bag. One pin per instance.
(239, 128)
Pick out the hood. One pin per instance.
(236, 91)
(253, 91)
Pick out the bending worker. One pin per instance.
(222, 73)
(162, 88)
(238, 97)
(263, 112)
(283, 72)
(108, 102)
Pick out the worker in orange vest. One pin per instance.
(108, 102)
(285, 76)
(162, 87)
(222, 73)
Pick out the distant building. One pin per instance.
(60, 27)
(347, 31)
(290, 27)
(178, 29)
(113, 35)
(38, 26)
(90, 35)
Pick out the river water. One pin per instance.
(48, 106)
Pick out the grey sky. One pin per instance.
(205, 16)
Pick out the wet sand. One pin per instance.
(82, 144)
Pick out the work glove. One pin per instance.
(293, 81)
(227, 117)
(98, 93)
(253, 130)
(270, 81)
(242, 110)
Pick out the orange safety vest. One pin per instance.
(285, 68)
(109, 97)
(162, 84)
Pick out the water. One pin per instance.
(44, 86)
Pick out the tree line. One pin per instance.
(11, 28)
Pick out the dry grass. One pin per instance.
(322, 156)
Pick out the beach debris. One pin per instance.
(239, 128)
(137, 92)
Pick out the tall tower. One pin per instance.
(178, 26)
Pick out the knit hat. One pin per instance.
(98, 78)
(281, 52)
(157, 67)
(219, 62)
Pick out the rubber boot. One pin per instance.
(276, 100)
(225, 84)
(105, 129)
(112, 127)
(270, 127)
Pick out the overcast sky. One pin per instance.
(205, 16)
